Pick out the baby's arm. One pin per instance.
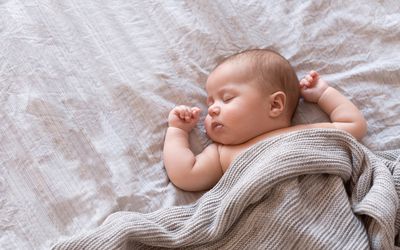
(342, 112)
(185, 170)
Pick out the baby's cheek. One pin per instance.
(207, 124)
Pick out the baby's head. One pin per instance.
(250, 93)
(271, 71)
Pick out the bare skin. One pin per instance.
(239, 115)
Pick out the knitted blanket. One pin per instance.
(311, 189)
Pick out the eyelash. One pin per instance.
(227, 99)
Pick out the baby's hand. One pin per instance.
(184, 117)
(312, 87)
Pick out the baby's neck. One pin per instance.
(229, 152)
(277, 128)
(278, 124)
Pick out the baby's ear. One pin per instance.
(277, 103)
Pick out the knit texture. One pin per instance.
(311, 189)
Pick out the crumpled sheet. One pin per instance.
(86, 87)
(308, 189)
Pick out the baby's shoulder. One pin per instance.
(311, 125)
(227, 153)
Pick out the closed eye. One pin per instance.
(227, 99)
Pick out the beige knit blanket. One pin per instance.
(312, 189)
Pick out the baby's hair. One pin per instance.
(271, 69)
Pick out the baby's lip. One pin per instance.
(216, 125)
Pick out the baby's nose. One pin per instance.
(214, 110)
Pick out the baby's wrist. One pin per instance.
(326, 90)
(178, 129)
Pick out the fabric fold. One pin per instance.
(310, 189)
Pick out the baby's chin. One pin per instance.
(215, 139)
(224, 138)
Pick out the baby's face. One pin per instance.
(237, 108)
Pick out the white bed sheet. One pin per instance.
(86, 87)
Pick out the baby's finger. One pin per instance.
(314, 74)
(188, 115)
(304, 83)
(185, 113)
(195, 112)
(180, 112)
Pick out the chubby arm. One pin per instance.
(343, 113)
(184, 169)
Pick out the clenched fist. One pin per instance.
(184, 117)
(312, 87)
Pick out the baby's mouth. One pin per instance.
(216, 125)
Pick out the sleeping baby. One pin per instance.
(252, 96)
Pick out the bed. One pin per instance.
(86, 87)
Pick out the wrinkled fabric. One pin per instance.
(86, 87)
(310, 189)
